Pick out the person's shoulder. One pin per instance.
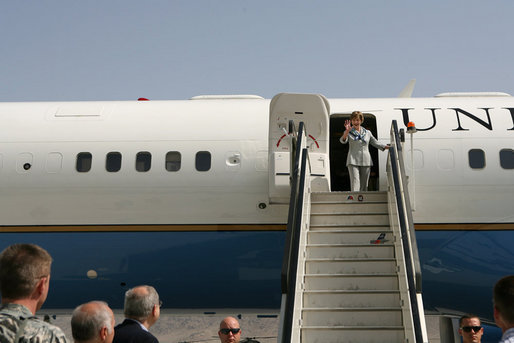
(367, 132)
(128, 330)
(146, 337)
(127, 323)
(15, 310)
(508, 336)
(8, 326)
(128, 333)
(151, 338)
(37, 330)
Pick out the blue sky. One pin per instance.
(124, 49)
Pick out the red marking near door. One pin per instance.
(315, 141)
(278, 143)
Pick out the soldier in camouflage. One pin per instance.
(24, 283)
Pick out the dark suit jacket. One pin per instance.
(131, 332)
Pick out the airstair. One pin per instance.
(350, 280)
(351, 271)
(351, 275)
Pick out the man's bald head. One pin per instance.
(92, 322)
(230, 331)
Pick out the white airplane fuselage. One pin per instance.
(44, 191)
(49, 136)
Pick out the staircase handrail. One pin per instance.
(407, 230)
(292, 243)
(408, 209)
(292, 208)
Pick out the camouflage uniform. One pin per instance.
(35, 331)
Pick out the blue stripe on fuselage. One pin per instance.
(236, 269)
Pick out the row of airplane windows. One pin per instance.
(477, 158)
(173, 161)
(143, 161)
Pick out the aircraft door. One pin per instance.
(338, 152)
(314, 111)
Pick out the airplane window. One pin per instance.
(507, 158)
(143, 161)
(84, 161)
(113, 162)
(476, 158)
(203, 161)
(173, 160)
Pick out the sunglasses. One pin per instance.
(226, 331)
(469, 328)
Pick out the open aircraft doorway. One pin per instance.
(340, 180)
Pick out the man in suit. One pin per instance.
(142, 310)
(92, 322)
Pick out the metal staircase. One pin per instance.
(352, 273)
(351, 287)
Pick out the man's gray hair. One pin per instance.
(139, 306)
(86, 325)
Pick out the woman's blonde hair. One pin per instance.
(357, 114)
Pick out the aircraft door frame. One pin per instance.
(314, 111)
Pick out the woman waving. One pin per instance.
(359, 160)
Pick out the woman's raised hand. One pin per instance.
(348, 125)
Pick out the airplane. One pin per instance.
(184, 194)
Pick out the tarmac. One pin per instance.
(187, 326)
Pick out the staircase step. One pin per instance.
(391, 317)
(339, 227)
(350, 282)
(350, 251)
(363, 334)
(350, 219)
(354, 299)
(349, 196)
(356, 207)
(350, 266)
(350, 291)
(348, 236)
